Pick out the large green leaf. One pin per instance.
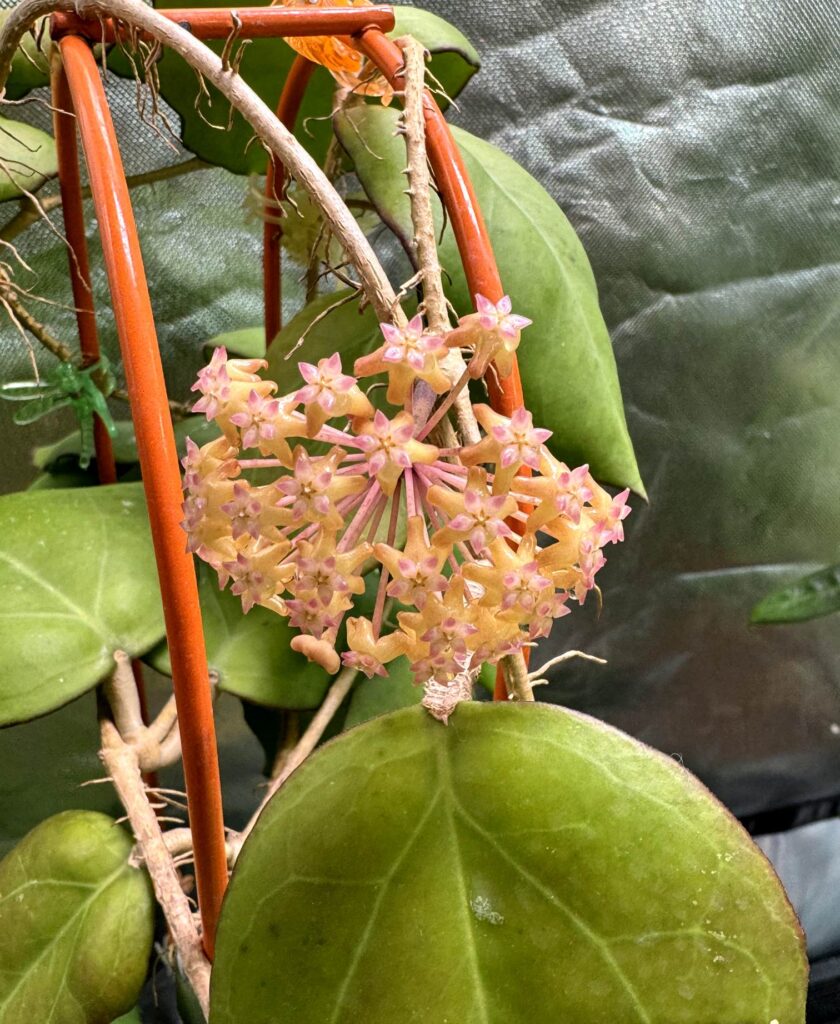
(251, 653)
(27, 158)
(76, 923)
(32, 788)
(266, 64)
(522, 864)
(77, 582)
(811, 597)
(544, 269)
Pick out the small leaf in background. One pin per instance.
(132, 1017)
(545, 270)
(30, 66)
(77, 582)
(523, 864)
(808, 598)
(251, 653)
(380, 694)
(343, 329)
(27, 159)
(246, 343)
(264, 67)
(65, 451)
(62, 456)
(76, 923)
(454, 58)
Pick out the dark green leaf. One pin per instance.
(544, 269)
(811, 597)
(30, 66)
(251, 653)
(77, 582)
(33, 788)
(522, 864)
(376, 696)
(75, 923)
(27, 158)
(265, 66)
(56, 480)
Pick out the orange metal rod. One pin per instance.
(161, 474)
(288, 107)
(252, 22)
(69, 179)
(64, 129)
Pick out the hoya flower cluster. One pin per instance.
(478, 548)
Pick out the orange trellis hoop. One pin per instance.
(77, 89)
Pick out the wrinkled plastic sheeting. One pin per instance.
(694, 146)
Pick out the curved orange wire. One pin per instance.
(161, 473)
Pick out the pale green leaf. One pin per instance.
(27, 158)
(245, 343)
(545, 270)
(77, 582)
(76, 923)
(522, 865)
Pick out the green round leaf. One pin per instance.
(251, 653)
(545, 270)
(77, 582)
(27, 158)
(808, 598)
(76, 923)
(522, 864)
